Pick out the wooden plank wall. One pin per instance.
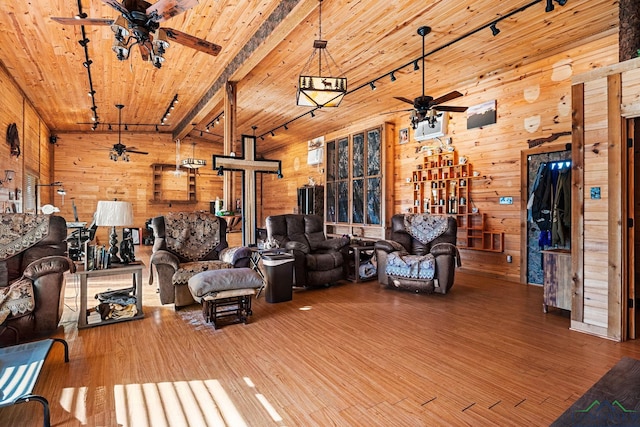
(533, 101)
(595, 210)
(36, 153)
(611, 94)
(83, 165)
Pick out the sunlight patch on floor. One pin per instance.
(166, 404)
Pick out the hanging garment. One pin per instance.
(536, 183)
(561, 211)
(542, 202)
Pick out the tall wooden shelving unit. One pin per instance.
(158, 193)
(441, 186)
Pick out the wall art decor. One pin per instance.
(481, 115)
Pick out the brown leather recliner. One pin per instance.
(425, 263)
(187, 243)
(41, 258)
(318, 260)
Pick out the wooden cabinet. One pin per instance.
(442, 186)
(169, 187)
(557, 279)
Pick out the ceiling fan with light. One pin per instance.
(119, 150)
(139, 24)
(426, 107)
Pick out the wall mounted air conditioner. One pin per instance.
(424, 131)
(314, 157)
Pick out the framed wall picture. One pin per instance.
(481, 115)
(403, 136)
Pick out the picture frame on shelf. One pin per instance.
(135, 234)
(89, 256)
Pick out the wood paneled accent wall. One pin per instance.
(36, 152)
(83, 165)
(604, 98)
(533, 102)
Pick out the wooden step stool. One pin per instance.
(236, 302)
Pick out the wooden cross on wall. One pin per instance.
(249, 166)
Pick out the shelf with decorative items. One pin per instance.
(441, 186)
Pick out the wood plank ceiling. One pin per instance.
(368, 39)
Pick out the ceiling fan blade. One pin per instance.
(136, 151)
(192, 41)
(448, 97)
(85, 21)
(144, 50)
(116, 5)
(451, 109)
(398, 111)
(400, 98)
(165, 9)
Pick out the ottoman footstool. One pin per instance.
(225, 292)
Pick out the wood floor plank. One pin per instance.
(352, 354)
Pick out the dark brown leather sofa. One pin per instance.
(403, 260)
(42, 259)
(318, 261)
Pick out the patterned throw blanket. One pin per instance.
(425, 227)
(420, 267)
(16, 299)
(192, 234)
(21, 231)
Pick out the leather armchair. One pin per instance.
(187, 243)
(425, 263)
(42, 260)
(318, 260)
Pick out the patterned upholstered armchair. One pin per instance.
(33, 262)
(187, 243)
(420, 255)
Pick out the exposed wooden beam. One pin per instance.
(284, 19)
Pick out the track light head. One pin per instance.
(393, 76)
(373, 86)
(494, 30)
(84, 42)
(220, 171)
(312, 114)
(549, 7)
(416, 67)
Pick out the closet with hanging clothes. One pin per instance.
(549, 209)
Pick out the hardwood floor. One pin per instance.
(349, 355)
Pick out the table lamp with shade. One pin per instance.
(114, 214)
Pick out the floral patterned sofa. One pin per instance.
(420, 255)
(187, 243)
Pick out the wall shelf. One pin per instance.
(441, 186)
(168, 187)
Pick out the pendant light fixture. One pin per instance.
(192, 162)
(318, 90)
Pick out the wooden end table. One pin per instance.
(355, 250)
(136, 273)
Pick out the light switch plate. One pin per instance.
(595, 192)
(506, 200)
